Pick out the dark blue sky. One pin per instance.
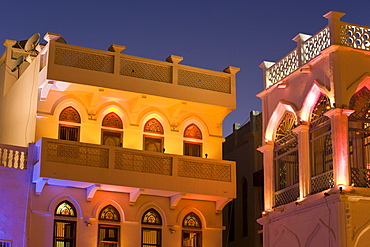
(208, 34)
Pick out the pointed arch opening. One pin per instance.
(153, 136)
(109, 228)
(359, 138)
(286, 161)
(192, 231)
(321, 154)
(193, 141)
(65, 216)
(151, 231)
(69, 124)
(112, 133)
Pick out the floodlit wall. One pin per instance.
(14, 187)
(87, 220)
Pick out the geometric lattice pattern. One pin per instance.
(282, 68)
(287, 195)
(192, 131)
(355, 36)
(322, 182)
(84, 60)
(314, 45)
(146, 71)
(317, 115)
(204, 81)
(360, 177)
(204, 170)
(77, 155)
(112, 120)
(13, 157)
(137, 162)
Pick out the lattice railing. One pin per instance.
(282, 68)
(286, 195)
(355, 36)
(312, 47)
(204, 81)
(146, 71)
(322, 182)
(13, 157)
(133, 161)
(360, 177)
(77, 155)
(204, 170)
(351, 35)
(84, 60)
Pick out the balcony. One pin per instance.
(97, 167)
(110, 69)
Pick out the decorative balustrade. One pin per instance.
(287, 195)
(103, 61)
(350, 35)
(322, 182)
(360, 177)
(13, 156)
(81, 154)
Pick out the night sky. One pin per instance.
(208, 34)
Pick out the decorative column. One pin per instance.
(303, 159)
(334, 26)
(175, 68)
(268, 173)
(339, 131)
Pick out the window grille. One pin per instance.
(151, 232)
(286, 153)
(321, 153)
(5, 243)
(359, 138)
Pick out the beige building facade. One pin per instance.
(100, 148)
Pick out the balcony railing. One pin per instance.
(360, 177)
(13, 156)
(166, 72)
(322, 182)
(287, 195)
(98, 164)
(340, 33)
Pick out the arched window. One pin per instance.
(153, 136)
(108, 232)
(112, 130)
(69, 127)
(359, 138)
(321, 146)
(286, 161)
(65, 230)
(151, 228)
(192, 141)
(192, 231)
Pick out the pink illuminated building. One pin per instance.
(316, 118)
(100, 148)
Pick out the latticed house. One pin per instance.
(100, 148)
(316, 105)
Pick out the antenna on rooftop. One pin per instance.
(17, 63)
(32, 42)
(61, 40)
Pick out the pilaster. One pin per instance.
(268, 172)
(303, 159)
(339, 131)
